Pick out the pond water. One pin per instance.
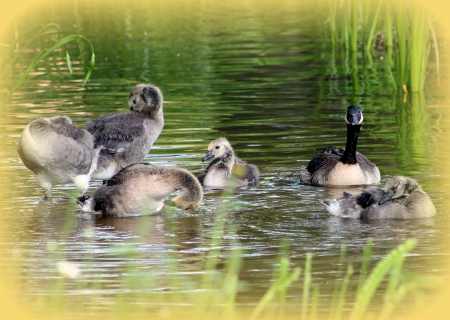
(258, 74)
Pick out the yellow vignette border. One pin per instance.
(10, 309)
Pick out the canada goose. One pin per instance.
(141, 188)
(224, 165)
(342, 166)
(402, 198)
(131, 133)
(56, 151)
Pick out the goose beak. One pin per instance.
(207, 156)
(353, 119)
(384, 198)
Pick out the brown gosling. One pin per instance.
(225, 165)
(141, 189)
(342, 167)
(131, 133)
(402, 198)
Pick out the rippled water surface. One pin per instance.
(260, 76)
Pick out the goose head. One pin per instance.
(145, 98)
(354, 115)
(217, 149)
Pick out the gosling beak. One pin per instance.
(384, 198)
(207, 156)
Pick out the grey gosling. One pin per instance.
(340, 167)
(224, 165)
(141, 189)
(58, 152)
(402, 198)
(131, 133)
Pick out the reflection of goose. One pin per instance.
(342, 167)
(374, 203)
(56, 151)
(132, 133)
(224, 165)
(141, 188)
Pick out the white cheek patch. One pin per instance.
(361, 121)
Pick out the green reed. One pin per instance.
(16, 49)
(400, 28)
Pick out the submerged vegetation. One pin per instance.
(404, 31)
(15, 51)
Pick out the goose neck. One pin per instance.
(349, 156)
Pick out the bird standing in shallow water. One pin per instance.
(341, 167)
(58, 152)
(131, 133)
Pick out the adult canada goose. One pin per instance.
(141, 188)
(342, 166)
(56, 151)
(224, 165)
(402, 198)
(131, 133)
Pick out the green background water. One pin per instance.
(256, 73)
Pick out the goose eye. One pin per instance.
(134, 101)
(217, 147)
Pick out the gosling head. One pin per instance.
(397, 187)
(184, 204)
(354, 115)
(217, 148)
(145, 98)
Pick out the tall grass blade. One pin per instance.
(367, 254)
(280, 285)
(376, 276)
(371, 35)
(306, 285)
(341, 300)
(69, 63)
(436, 48)
(334, 300)
(315, 304)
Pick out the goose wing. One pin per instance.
(114, 129)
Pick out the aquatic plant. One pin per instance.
(400, 28)
(15, 50)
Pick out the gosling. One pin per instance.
(342, 167)
(58, 152)
(402, 198)
(141, 189)
(131, 133)
(225, 165)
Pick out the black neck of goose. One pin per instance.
(349, 156)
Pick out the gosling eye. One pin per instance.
(134, 101)
(217, 147)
